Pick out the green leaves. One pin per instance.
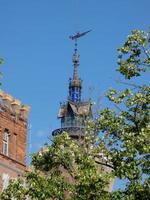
(66, 169)
(134, 56)
(1, 60)
(118, 97)
(127, 127)
(15, 189)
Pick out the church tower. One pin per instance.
(74, 112)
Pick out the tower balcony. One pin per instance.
(73, 132)
(68, 122)
(75, 127)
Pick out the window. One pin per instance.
(5, 142)
(15, 144)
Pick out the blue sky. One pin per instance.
(37, 51)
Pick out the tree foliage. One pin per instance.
(127, 127)
(69, 169)
(63, 170)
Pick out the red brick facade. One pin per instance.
(13, 119)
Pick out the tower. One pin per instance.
(74, 112)
(13, 125)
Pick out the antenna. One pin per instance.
(91, 89)
(29, 143)
(98, 103)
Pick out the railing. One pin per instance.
(75, 126)
(72, 122)
(72, 131)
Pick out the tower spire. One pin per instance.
(75, 55)
(75, 83)
(75, 62)
(74, 112)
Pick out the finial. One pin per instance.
(75, 84)
(78, 35)
(75, 64)
(75, 55)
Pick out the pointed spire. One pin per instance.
(75, 83)
(75, 62)
(75, 55)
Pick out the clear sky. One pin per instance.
(37, 51)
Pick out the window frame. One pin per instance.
(5, 145)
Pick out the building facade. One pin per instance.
(13, 127)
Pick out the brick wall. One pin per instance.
(13, 119)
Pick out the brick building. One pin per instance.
(13, 126)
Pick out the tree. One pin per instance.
(127, 127)
(124, 146)
(63, 170)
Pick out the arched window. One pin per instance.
(5, 142)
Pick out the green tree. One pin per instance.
(63, 170)
(127, 126)
(72, 170)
